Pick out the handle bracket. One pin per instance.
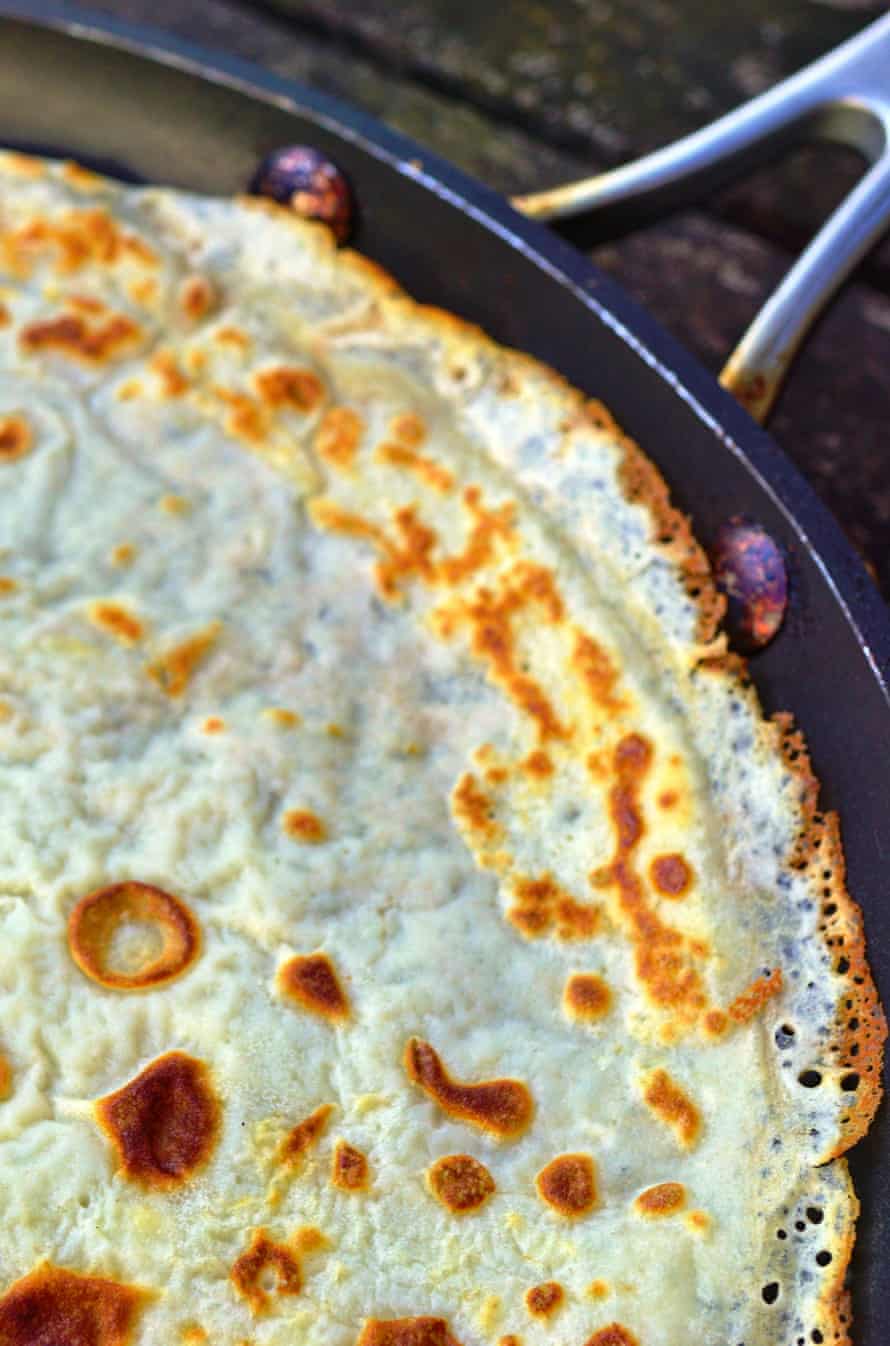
(843, 98)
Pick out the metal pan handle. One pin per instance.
(845, 98)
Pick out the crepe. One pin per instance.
(412, 931)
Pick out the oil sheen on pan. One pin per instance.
(398, 871)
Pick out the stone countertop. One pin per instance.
(524, 94)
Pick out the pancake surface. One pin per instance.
(412, 931)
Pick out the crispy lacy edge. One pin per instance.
(833, 1313)
(643, 484)
(860, 1028)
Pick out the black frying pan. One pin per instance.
(142, 106)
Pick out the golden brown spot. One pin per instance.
(670, 875)
(660, 958)
(25, 165)
(586, 997)
(438, 478)
(510, 1340)
(5, 316)
(408, 429)
(535, 584)
(308, 1239)
(16, 438)
(6, 711)
(613, 1335)
(668, 799)
(196, 297)
(401, 560)
(538, 764)
(193, 1335)
(503, 1108)
(490, 618)
(70, 335)
(339, 436)
(754, 997)
(143, 291)
(576, 920)
(163, 1124)
(598, 1289)
(632, 759)
(54, 1307)
(598, 766)
(301, 1138)
(350, 1170)
(408, 553)
(7, 585)
(497, 775)
(262, 1255)
(246, 420)
(666, 1198)
(85, 303)
(666, 1100)
(232, 336)
(542, 1301)
(20, 247)
(173, 381)
(489, 527)
(698, 1221)
(474, 808)
(285, 719)
(568, 1185)
(309, 980)
(460, 1183)
(81, 236)
(5, 1078)
(303, 825)
(531, 922)
(116, 621)
(82, 178)
(715, 1023)
(98, 920)
(542, 906)
(213, 725)
(174, 669)
(135, 247)
(411, 555)
(123, 554)
(294, 389)
(406, 1332)
(177, 505)
(597, 672)
(128, 390)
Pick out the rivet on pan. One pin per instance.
(302, 178)
(750, 569)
